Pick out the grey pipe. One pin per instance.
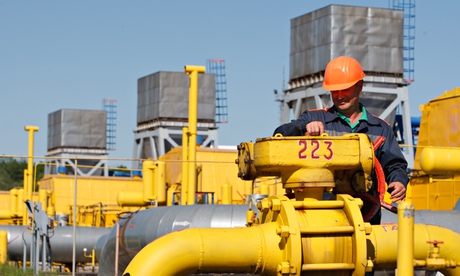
(140, 229)
(60, 242)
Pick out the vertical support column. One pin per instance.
(193, 72)
(28, 179)
(3, 247)
(184, 181)
(405, 260)
(74, 222)
(226, 194)
(43, 252)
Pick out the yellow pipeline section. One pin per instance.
(3, 247)
(28, 179)
(185, 167)
(190, 142)
(440, 160)
(384, 248)
(246, 250)
(313, 240)
(18, 196)
(16, 205)
(405, 238)
(306, 236)
(153, 178)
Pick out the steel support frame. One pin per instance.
(68, 159)
(157, 138)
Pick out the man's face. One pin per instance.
(347, 100)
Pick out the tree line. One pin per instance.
(12, 173)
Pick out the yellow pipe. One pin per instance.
(193, 72)
(5, 214)
(383, 245)
(283, 235)
(184, 182)
(149, 194)
(255, 250)
(3, 247)
(405, 238)
(226, 194)
(160, 181)
(20, 204)
(24, 197)
(331, 234)
(153, 179)
(199, 178)
(30, 160)
(43, 198)
(132, 199)
(50, 211)
(28, 172)
(14, 202)
(263, 188)
(92, 256)
(440, 160)
(342, 243)
(252, 250)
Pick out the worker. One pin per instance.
(343, 77)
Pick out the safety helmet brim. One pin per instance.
(336, 87)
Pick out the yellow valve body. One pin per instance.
(302, 161)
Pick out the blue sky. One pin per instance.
(73, 54)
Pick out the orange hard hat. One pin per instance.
(341, 73)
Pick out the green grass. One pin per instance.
(8, 270)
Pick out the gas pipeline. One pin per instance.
(301, 233)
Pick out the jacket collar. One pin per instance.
(331, 115)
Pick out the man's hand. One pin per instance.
(397, 191)
(315, 128)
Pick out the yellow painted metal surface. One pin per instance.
(436, 186)
(311, 161)
(154, 187)
(305, 236)
(439, 125)
(184, 181)
(217, 169)
(383, 249)
(440, 160)
(3, 247)
(300, 238)
(12, 206)
(405, 261)
(434, 192)
(193, 72)
(308, 235)
(327, 232)
(28, 173)
(250, 250)
(292, 238)
(96, 196)
(5, 201)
